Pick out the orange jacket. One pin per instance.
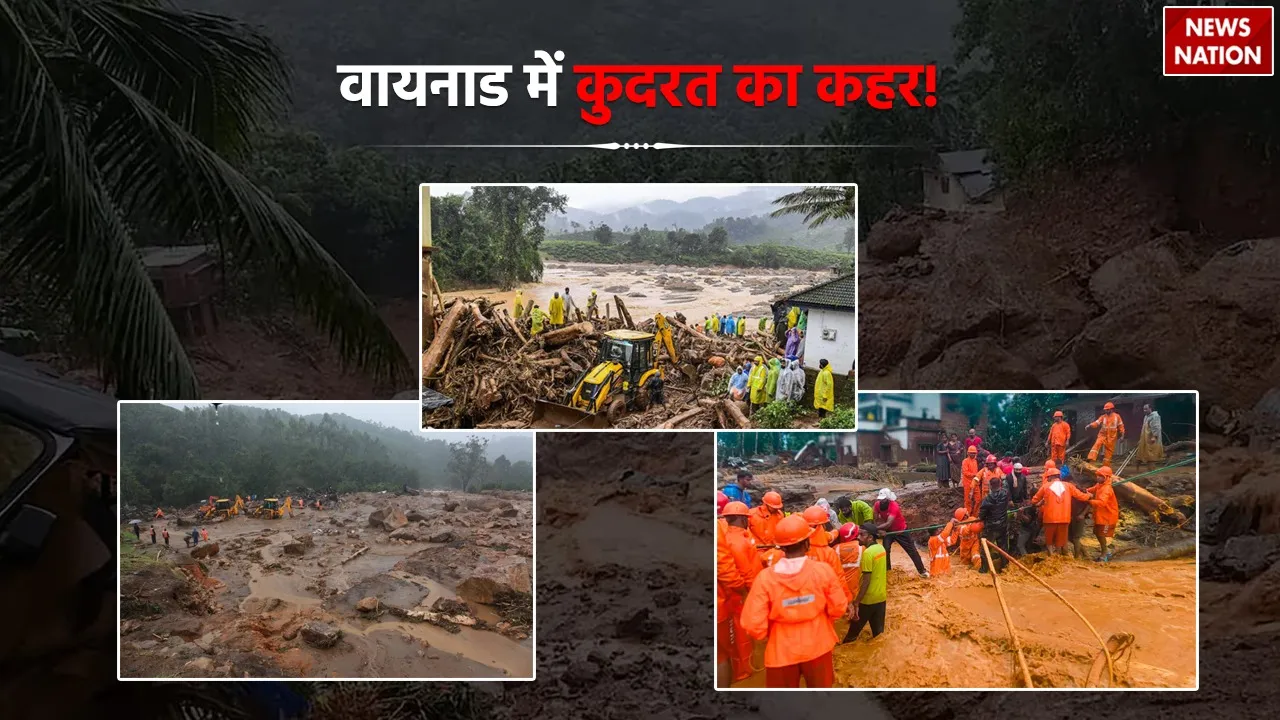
(762, 522)
(979, 489)
(771, 556)
(824, 554)
(970, 551)
(968, 469)
(1057, 505)
(722, 613)
(737, 560)
(1060, 433)
(940, 563)
(795, 613)
(1109, 426)
(850, 554)
(1106, 511)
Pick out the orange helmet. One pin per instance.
(1050, 465)
(816, 516)
(961, 513)
(1109, 406)
(773, 500)
(791, 530)
(973, 450)
(991, 458)
(734, 508)
(1104, 471)
(1057, 413)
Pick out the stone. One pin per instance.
(1245, 557)
(388, 519)
(320, 635)
(200, 665)
(486, 582)
(980, 364)
(404, 533)
(206, 550)
(450, 606)
(580, 673)
(368, 605)
(640, 625)
(666, 598)
(890, 240)
(451, 506)
(509, 511)
(1133, 273)
(416, 516)
(442, 536)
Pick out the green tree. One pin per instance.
(603, 235)
(717, 239)
(468, 466)
(122, 115)
(819, 204)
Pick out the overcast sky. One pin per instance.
(603, 197)
(401, 415)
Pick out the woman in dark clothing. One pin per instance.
(943, 459)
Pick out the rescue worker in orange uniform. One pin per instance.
(1106, 511)
(1110, 427)
(968, 471)
(764, 518)
(737, 564)
(970, 548)
(793, 606)
(982, 485)
(850, 552)
(159, 513)
(940, 556)
(820, 541)
(1059, 438)
(1054, 499)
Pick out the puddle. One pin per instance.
(486, 648)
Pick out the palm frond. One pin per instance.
(819, 205)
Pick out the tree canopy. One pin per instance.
(492, 235)
(177, 457)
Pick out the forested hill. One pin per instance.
(170, 456)
(515, 447)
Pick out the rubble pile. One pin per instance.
(492, 371)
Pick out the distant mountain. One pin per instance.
(745, 215)
(515, 447)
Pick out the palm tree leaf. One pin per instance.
(160, 171)
(819, 205)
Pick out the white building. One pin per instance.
(832, 329)
(963, 180)
(896, 427)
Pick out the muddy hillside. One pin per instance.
(948, 631)
(375, 585)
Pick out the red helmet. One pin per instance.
(721, 501)
(848, 532)
(991, 458)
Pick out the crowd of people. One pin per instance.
(788, 579)
(560, 310)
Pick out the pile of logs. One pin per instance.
(494, 370)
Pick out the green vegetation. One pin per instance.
(178, 457)
(492, 236)
(777, 415)
(769, 256)
(118, 122)
(133, 556)
(840, 418)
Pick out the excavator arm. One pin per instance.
(663, 331)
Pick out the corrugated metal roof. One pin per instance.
(964, 162)
(841, 293)
(170, 256)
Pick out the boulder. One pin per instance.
(451, 506)
(1245, 557)
(203, 666)
(404, 533)
(415, 516)
(203, 551)
(388, 519)
(509, 511)
(486, 582)
(442, 536)
(1137, 272)
(299, 546)
(320, 635)
(369, 604)
(450, 606)
(978, 363)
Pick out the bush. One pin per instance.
(841, 418)
(777, 415)
(747, 256)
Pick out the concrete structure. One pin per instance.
(904, 427)
(960, 181)
(188, 279)
(832, 330)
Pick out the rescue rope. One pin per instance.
(1004, 608)
(1110, 666)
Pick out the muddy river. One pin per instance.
(647, 288)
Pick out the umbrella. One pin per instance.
(135, 522)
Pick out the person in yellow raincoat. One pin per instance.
(824, 389)
(1151, 441)
(537, 317)
(715, 324)
(793, 315)
(771, 379)
(757, 381)
(593, 311)
(742, 326)
(518, 304)
(556, 309)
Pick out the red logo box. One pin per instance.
(1218, 41)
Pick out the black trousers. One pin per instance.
(907, 544)
(999, 537)
(867, 614)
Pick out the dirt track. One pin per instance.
(274, 579)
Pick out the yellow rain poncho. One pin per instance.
(537, 316)
(758, 381)
(518, 304)
(792, 316)
(556, 308)
(824, 393)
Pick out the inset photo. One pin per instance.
(321, 539)
(963, 540)
(631, 306)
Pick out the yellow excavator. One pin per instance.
(625, 361)
(273, 509)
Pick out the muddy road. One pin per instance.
(647, 289)
(380, 586)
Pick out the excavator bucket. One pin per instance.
(690, 372)
(550, 416)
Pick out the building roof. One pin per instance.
(172, 256)
(50, 402)
(973, 169)
(839, 294)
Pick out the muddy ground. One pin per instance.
(437, 593)
(948, 631)
(648, 289)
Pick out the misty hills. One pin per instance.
(515, 446)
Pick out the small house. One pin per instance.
(831, 332)
(960, 181)
(187, 278)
